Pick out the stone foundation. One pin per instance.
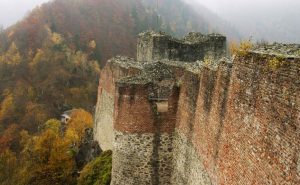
(104, 120)
(188, 168)
(142, 159)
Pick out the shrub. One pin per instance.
(241, 49)
(98, 171)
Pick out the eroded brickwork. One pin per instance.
(210, 121)
(104, 113)
(261, 135)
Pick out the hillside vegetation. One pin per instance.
(113, 24)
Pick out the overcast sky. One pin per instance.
(250, 17)
(271, 20)
(13, 10)
(219, 5)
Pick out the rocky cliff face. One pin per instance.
(206, 120)
(88, 150)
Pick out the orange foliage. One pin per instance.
(9, 135)
(50, 154)
(240, 49)
(81, 120)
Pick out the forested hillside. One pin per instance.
(113, 24)
(50, 62)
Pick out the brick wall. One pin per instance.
(104, 114)
(260, 140)
(245, 124)
(143, 136)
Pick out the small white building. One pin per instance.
(66, 116)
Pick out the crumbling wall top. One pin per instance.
(152, 72)
(190, 38)
(277, 49)
(150, 34)
(154, 46)
(196, 38)
(125, 62)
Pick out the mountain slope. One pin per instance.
(113, 24)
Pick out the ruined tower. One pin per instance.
(184, 114)
(154, 46)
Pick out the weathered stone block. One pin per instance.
(153, 46)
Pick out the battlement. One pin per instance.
(154, 46)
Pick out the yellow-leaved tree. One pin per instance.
(12, 56)
(50, 155)
(6, 107)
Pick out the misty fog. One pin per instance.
(12, 11)
(270, 20)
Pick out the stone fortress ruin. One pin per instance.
(185, 114)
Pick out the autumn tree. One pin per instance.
(50, 155)
(8, 166)
(7, 108)
(80, 121)
(12, 56)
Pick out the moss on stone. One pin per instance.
(275, 62)
(98, 171)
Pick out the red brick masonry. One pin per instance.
(243, 118)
